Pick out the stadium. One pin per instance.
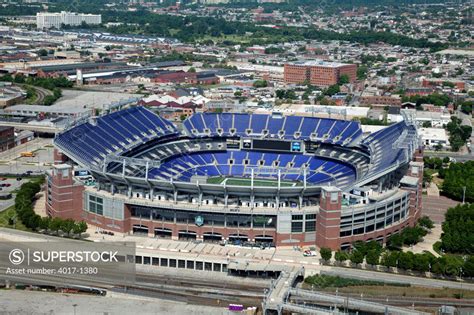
(240, 178)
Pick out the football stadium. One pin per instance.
(239, 178)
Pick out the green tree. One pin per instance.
(42, 52)
(67, 226)
(356, 257)
(390, 259)
(426, 222)
(260, 84)
(331, 90)
(468, 268)
(83, 227)
(373, 257)
(343, 79)
(406, 260)
(341, 256)
(458, 230)
(421, 262)
(55, 224)
(426, 124)
(326, 253)
(45, 222)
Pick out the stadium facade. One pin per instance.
(286, 180)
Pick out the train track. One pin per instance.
(189, 290)
(405, 301)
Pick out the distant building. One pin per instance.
(432, 137)
(319, 73)
(7, 138)
(384, 100)
(418, 91)
(55, 20)
(432, 83)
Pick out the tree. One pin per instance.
(343, 79)
(42, 52)
(67, 226)
(395, 242)
(45, 222)
(468, 267)
(260, 84)
(426, 124)
(55, 224)
(192, 70)
(458, 230)
(83, 227)
(421, 262)
(456, 177)
(390, 259)
(454, 265)
(406, 260)
(326, 253)
(356, 257)
(331, 90)
(362, 72)
(426, 222)
(373, 257)
(341, 256)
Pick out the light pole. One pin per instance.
(74, 305)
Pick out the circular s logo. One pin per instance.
(17, 256)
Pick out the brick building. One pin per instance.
(319, 73)
(7, 138)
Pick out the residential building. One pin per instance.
(7, 138)
(319, 73)
(55, 20)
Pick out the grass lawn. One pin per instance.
(11, 213)
(412, 291)
(377, 288)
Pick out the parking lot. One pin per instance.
(14, 185)
(11, 161)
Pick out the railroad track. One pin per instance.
(405, 301)
(193, 291)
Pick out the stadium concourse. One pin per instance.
(270, 179)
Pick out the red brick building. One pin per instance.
(432, 83)
(319, 73)
(7, 138)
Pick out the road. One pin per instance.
(457, 156)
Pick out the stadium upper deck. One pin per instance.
(222, 170)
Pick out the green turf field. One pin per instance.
(247, 182)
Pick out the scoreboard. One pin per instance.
(272, 145)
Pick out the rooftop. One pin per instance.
(323, 63)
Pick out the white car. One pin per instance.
(309, 253)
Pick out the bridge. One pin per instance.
(31, 127)
(284, 296)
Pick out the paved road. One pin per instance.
(457, 156)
